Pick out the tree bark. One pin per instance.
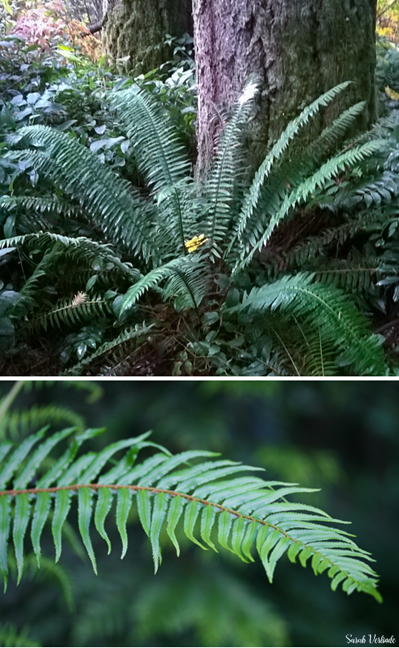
(137, 29)
(298, 48)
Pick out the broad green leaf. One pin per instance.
(207, 520)
(42, 509)
(124, 503)
(103, 507)
(5, 519)
(174, 514)
(279, 549)
(4, 450)
(138, 471)
(336, 580)
(65, 460)
(15, 461)
(293, 551)
(248, 540)
(42, 451)
(257, 510)
(61, 510)
(144, 509)
(190, 518)
(224, 527)
(85, 504)
(161, 473)
(21, 521)
(237, 537)
(72, 474)
(100, 459)
(158, 517)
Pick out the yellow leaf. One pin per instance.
(391, 93)
(195, 243)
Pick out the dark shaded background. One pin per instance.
(339, 436)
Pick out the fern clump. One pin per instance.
(218, 503)
(192, 245)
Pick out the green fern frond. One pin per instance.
(372, 192)
(93, 390)
(120, 213)
(308, 352)
(73, 312)
(325, 309)
(41, 204)
(253, 196)
(309, 250)
(330, 137)
(291, 171)
(221, 184)
(11, 636)
(177, 218)
(256, 240)
(189, 285)
(78, 248)
(160, 156)
(137, 333)
(19, 423)
(214, 500)
(352, 275)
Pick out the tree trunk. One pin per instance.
(299, 49)
(137, 29)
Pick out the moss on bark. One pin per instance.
(137, 29)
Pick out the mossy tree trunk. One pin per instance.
(299, 49)
(137, 29)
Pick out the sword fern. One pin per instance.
(218, 503)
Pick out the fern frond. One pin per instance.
(93, 389)
(120, 213)
(221, 184)
(255, 239)
(160, 157)
(188, 284)
(215, 500)
(41, 204)
(190, 281)
(137, 333)
(11, 636)
(78, 248)
(18, 423)
(380, 190)
(177, 218)
(352, 275)
(253, 195)
(325, 309)
(73, 312)
(333, 133)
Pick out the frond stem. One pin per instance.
(152, 489)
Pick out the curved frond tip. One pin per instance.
(214, 502)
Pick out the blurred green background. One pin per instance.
(339, 436)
